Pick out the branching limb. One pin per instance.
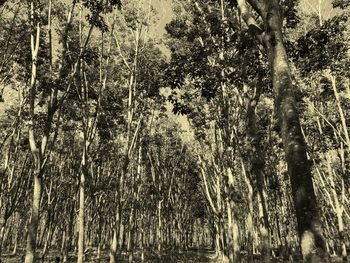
(248, 18)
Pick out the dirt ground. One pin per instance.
(201, 256)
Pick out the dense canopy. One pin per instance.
(174, 130)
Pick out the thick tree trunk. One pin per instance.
(233, 246)
(308, 217)
(307, 214)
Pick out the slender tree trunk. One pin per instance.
(159, 226)
(47, 241)
(69, 233)
(249, 219)
(264, 230)
(34, 220)
(113, 252)
(14, 250)
(81, 214)
(338, 207)
(2, 229)
(257, 168)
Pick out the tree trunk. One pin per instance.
(81, 216)
(264, 230)
(308, 217)
(159, 226)
(33, 224)
(233, 246)
(307, 214)
(34, 220)
(2, 230)
(256, 170)
(338, 207)
(113, 252)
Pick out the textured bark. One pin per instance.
(233, 245)
(307, 214)
(308, 217)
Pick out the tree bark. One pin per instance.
(33, 224)
(81, 210)
(308, 216)
(257, 170)
(114, 245)
(34, 220)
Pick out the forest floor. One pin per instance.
(201, 256)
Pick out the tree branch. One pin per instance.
(253, 26)
(259, 7)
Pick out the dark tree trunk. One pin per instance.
(308, 216)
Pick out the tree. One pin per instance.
(271, 37)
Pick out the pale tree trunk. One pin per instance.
(340, 110)
(114, 245)
(89, 117)
(233, 246)
(83, 167)
(14, 250)
(2, 230)
(159, 226)
(264, 230)
(249, 219)
(257, 170)
(338, 206)
(34, 219)
(49, 223)
(214, 206)
(81, 209)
